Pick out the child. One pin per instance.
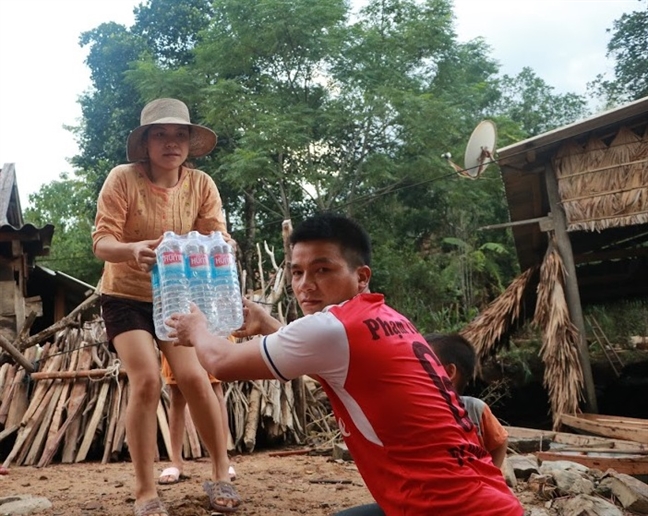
(458, 358)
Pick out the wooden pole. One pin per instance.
(59, 325)
(67, 375)
(572, 294)
(17, 355)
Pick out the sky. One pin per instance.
(43, 69)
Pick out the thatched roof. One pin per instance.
(602, 168)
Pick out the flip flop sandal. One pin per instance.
(232, 473)
(174, 476)
(224, 492)
(153, 506)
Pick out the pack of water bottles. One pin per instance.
(200, 269)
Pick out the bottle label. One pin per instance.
(198, 260)
(221, 260)
(172, 262)
(171, 258)
(199, 265)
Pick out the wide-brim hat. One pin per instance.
(202, 140)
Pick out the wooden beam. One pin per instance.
(17, 355)
(515, 223)
(59, 325)
(572, 294)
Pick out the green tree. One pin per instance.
(627, 47)
(530, 102)
(65, 203)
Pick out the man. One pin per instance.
(412, 441)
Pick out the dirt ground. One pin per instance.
(268, 485)
(289, 485)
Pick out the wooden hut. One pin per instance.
(578, 204)
(20, 244)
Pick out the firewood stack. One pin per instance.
(72, 406)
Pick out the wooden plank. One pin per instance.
(623, 420)
(7, 392)
(53, 439)
(38, 442)
(614, 430)
(4, 368)
(120, 429)
(25, 434)
(112, 421)
(191, 434)
(18, 401)
(630, 465)
(91, 428)
(163, 423)
(77, 401)
(597, 441)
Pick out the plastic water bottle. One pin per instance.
(201, 292)
(160, 330)
(227, 292)
(174, 288)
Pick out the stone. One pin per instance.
(631, 492)
(586, 505)
(509, 473)
(570, 482)
(341, 452)
(23, 504)
(566, 465)
(523, 465)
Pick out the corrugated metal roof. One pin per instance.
(35, 241)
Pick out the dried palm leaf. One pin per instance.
(563, 375)
(486, 330)
(604, 186)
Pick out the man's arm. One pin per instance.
(219, 356)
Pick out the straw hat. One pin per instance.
(169, 111)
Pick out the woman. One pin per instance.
(153, 193)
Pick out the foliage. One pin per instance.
(627, 46)
(620, 320)
(64, 203)
(320, 110)
(530, 101)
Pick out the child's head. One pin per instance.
(457, 356)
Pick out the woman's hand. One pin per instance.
(144, 253)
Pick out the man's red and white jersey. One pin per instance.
(413, 442)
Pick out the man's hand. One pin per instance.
(257, 321)
(187, 328)
(144, 253)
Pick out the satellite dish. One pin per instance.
(480, 151)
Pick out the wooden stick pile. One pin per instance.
(71, 405)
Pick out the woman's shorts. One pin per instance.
(121, 314)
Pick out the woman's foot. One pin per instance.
(171, 475)
(153, 507)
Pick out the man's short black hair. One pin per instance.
(348, 234)
(452, 348)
